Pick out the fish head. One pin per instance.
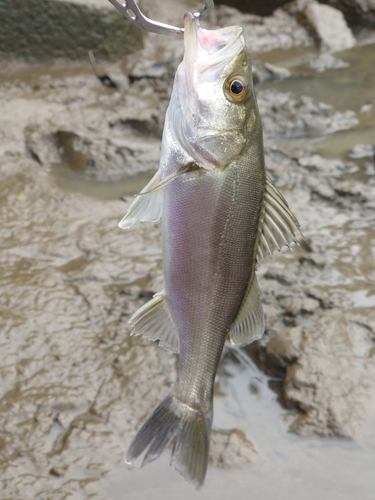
(214, 108)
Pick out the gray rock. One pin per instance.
(366, 108)
(279, 31)
(327, 61)
(259, 7)
(362, 151)
(326, 24)
(356, 11)
(268, 72)
(277, 72)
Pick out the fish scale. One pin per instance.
(220, 214)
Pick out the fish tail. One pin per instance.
(190, 430)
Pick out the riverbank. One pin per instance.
(76, 386)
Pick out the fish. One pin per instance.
(221, 215)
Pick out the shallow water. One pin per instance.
(100, 190)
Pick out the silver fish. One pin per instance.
(220, 215)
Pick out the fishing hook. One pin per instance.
(130, 10)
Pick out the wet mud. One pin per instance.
(296, 406)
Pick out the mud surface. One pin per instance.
(76, 386)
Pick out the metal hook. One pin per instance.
(130, 10)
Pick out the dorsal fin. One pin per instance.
(279, 227)
(154, 322)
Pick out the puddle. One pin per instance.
(100, 190)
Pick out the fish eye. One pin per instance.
(236, 89)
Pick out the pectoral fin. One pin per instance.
(147, 206)
(167, 180)
(154, 322)
(279, 226)
(249, 323)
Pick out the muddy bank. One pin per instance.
(76, 386)
(320, 301)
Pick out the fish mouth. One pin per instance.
(207, 49)
(207, 54)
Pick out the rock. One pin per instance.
(279, 31)
(327, 61)
(362, 151)
(370, 168)
(277, 72)
(326, 24)
(259, 7)
(266, 72)
(46, 29)
(356, 12)
(323, 190)
(231, 449)
(366, 108)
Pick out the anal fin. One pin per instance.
(249, 323)
(153, 322)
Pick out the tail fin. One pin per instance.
(191, 430)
